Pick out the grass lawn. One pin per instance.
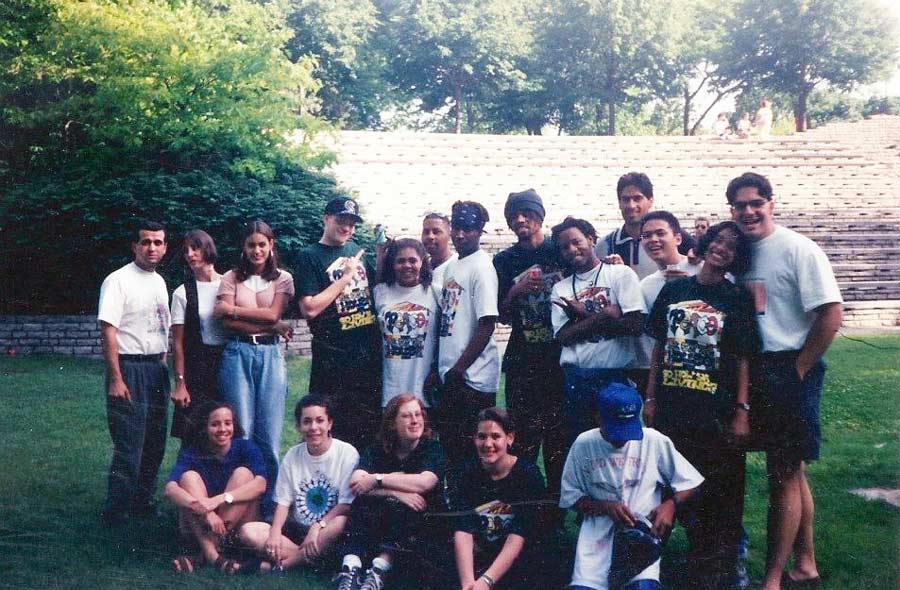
(56, 450)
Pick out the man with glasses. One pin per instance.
(798, 307)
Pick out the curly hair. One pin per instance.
(390, 256)
(743, 248)
(570, 222)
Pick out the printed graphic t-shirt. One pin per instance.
(136, 303)
(347, 327)
(789, 277)
(704, 330)
(408, 318)
(634, 474)
(605, 284)
(495, 509)
(469, 293)
(311, 485)
(531, 340)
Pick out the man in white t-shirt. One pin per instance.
(661, 235)
(798, 306)
(468, 360)
(614, 476)
(596, 313)
(134, 325)
(436, 239)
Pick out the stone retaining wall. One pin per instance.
(79, 334)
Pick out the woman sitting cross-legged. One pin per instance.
(498, 494)
(398, 479)
(216, 484)
(312, 493)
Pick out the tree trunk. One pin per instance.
(457, 109)
(800, 111)
(686, 112)
(611, 129)
(470, 115)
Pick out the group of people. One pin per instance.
(714, 341)
(760, 125)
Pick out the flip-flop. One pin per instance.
(187, 564)
(789, 583)
(227, 566)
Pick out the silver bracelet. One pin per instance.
(489, 580)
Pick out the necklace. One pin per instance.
(593, 283)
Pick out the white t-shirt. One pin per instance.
(634, 474)
(790, 276)
(312, 486)
(211, 331)
(136, 303)
(651, 285)
(408, 319)
(614, 284)
(469, 293)
(438, 273)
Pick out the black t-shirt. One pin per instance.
(495, 509)
(348, 326)
(705, 329)
(531, 339)
(427, 456)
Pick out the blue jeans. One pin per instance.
(580, 403)
(253, 379)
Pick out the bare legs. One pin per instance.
(255, 535)
(233, 516)
(790, 524)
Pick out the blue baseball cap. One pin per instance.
(619, 406)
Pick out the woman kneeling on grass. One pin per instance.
(499, 493)
(216, 484)
(398, 479)
(313, 488)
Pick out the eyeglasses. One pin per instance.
(752, 204)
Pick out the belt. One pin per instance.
(257, 338)
(141, 358)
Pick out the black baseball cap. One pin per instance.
(343, 206)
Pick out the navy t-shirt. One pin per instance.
(704, 330)
(531, 340)
(216, 472)
(495, 509)
(427, 456)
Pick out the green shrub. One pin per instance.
(63, 235)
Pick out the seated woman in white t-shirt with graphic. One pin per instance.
(312, 494)
(407, 309)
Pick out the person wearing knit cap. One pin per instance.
(468, 361)
(526, 272)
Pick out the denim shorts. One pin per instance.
(784, 409)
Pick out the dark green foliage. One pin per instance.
(68, 233)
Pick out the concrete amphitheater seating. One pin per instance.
(839, 185)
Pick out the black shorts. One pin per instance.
(784, 409)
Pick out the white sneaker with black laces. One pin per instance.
(374, 580)
(347, 579)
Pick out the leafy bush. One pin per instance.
(881, 105)
(63, 235)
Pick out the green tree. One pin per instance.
(610, 53)
(794, 46)
(110, 86)
(455, 51)
(341, 36)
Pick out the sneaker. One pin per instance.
(347, 579)
(374, 580)
(740, 580)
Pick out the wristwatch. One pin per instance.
(379, 480)
(323, 523)
(179, 377)
(742, 406)
(229, 499)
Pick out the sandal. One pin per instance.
(255, 565)
(187, 564)
(227, 566)
(789, 583)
